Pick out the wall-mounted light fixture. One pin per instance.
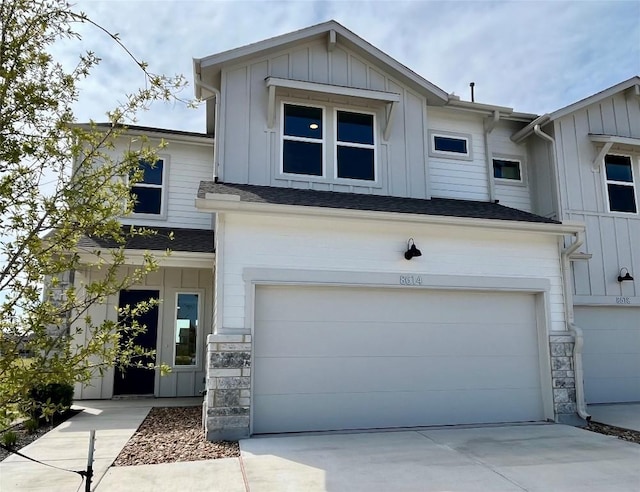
(412, 251)
(626, 276)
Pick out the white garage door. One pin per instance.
(611, 355)
(329, 358)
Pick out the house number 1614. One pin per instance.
(410, 280)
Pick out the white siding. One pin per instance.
(612, 238)
(511, 194)
(363, 246)
(188, 164)
(459, 178)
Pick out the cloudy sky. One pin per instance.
(534, 56)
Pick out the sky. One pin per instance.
(533, 56)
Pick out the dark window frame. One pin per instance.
(519, 180)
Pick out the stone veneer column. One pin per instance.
(228, 387)
(563, 376)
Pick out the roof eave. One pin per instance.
(214, 202)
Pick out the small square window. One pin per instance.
(149, 190)
(507, 169)
(620, 185)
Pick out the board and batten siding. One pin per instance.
(510, 194)
(612, 238)
(372, 246)
(168, 281)
(249, 151)
(188, 164)
(459, 178)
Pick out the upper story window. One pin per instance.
(303, 140)
(355, 146)
(348, 144)
(149, 191)
(450, 145)
(620, 185)
(508, 169)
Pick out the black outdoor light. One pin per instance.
(412, 251)
(626, 276)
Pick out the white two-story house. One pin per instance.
(379, 259)
(385, 254)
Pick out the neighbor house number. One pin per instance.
(410, 280)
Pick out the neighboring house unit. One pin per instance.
(178, 327)
(594, 146)
(386, 254)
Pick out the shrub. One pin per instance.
(47, 400)
(31, 425)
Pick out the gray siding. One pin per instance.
(511, 194)
(612, 238)
(250, 151)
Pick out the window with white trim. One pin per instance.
(450, 145)
(507, 169)
(303, 140)
(186, 329)
(309, 141)
(149, 191)
(621, 191)
(355, 145)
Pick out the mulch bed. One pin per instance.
(25, 437)
(168, 435)
(610, 430)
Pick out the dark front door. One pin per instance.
(134, 380)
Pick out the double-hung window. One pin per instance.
(355, 146)
(303, 140)
(149, 190)
(620, 184)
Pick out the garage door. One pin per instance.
(611, 354)
(330, 358)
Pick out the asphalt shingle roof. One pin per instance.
(190, 240)
(356, 201)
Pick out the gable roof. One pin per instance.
(210, 66)
(150, 131)
(599, 96)
(190, 240)
(355, 201)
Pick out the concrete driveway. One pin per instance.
(510, 458)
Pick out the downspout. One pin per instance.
(216, 92)
(489, 124)
(576, 331)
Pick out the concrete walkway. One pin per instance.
(66, 446)
(625, 415)
(536, 457)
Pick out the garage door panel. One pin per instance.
(406, 409)
(443, 306)
(362, 374)
(341, 357)
(307, 338)
(611, 358)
